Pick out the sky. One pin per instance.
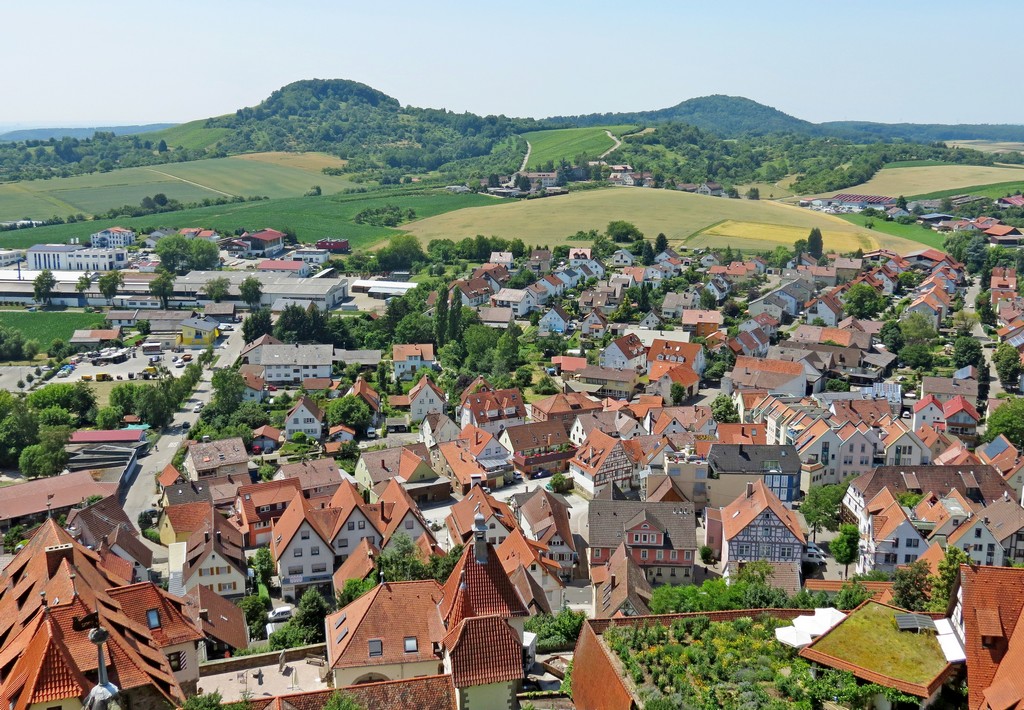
(70, 63)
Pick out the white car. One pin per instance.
(281, 613)
(198, 408)
(813, 557)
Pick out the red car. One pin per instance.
(271, 388)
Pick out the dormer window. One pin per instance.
(153, 619)
(410, 645)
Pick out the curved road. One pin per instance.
(612, 149)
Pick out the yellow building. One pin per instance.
(199, 332)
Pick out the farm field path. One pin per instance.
(196, 184)
(612, 149)
(526, 158)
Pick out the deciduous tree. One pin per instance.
(911, 586)
(43, 285)
(251, 292)
(846, 547)
(723, 409)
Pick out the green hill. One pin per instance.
(722, 115)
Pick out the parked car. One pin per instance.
(185, 426)
(198, 408)
(540, 473)
(179, 364)
(281, 613)
(813, 557)
(271, 388)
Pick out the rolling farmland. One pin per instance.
(271, 174)
(920, 180)
(681, 216)
(310, 218)
(568, 143)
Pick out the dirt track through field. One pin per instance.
(196, 184)
(612, 149)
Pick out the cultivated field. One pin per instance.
(309, 218)
(192, 135)
(922, 180)
(679, 215)
(270, 174)
(756, 236)
(989, 146)
(568, 143)
(44, 327)
(768, 190)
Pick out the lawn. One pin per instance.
(568, 143)
(913, 232)
(310, 218)
(46, 326)
(869, 638)
(768, 190)
(999, 189)
(265, 174)
(927, 179)
(678, 215)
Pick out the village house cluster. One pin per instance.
(677, 440)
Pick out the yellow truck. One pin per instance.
(103, 377)
(86, 378)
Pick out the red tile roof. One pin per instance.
(993, 605)
(137, 600)
(475, 589)
(484, 650)
(390, 613)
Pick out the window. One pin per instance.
(318, 569)
(298, 552)
(688, 555)
(408, 524)
(304, 535)
(977, 533)
(362, 524)
(295, 571)
(153, 619)
(315, 550)
(643, 554)
(643, 538)
(660, 555)
(351, 525)
(343, 542)
(177, 661)
(410, 644)
(376, 648)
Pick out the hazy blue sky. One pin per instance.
(111, 62)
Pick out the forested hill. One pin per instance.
(725, 116)
(924, 132)
(368, 128)
(733, 116)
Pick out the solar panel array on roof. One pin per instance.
(996, 447)
(914, 622)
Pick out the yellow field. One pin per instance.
(678, 214)
(932, 178)
(302, 161)
(769, 191)
(989, 146)
(759, 237)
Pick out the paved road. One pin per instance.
(143, 492)
(995, 388)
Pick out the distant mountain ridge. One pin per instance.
(732, 116)
(44, 134)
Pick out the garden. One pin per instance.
(696, 663)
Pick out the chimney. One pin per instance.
(480, 539)
(750, 489)
(55, 554)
